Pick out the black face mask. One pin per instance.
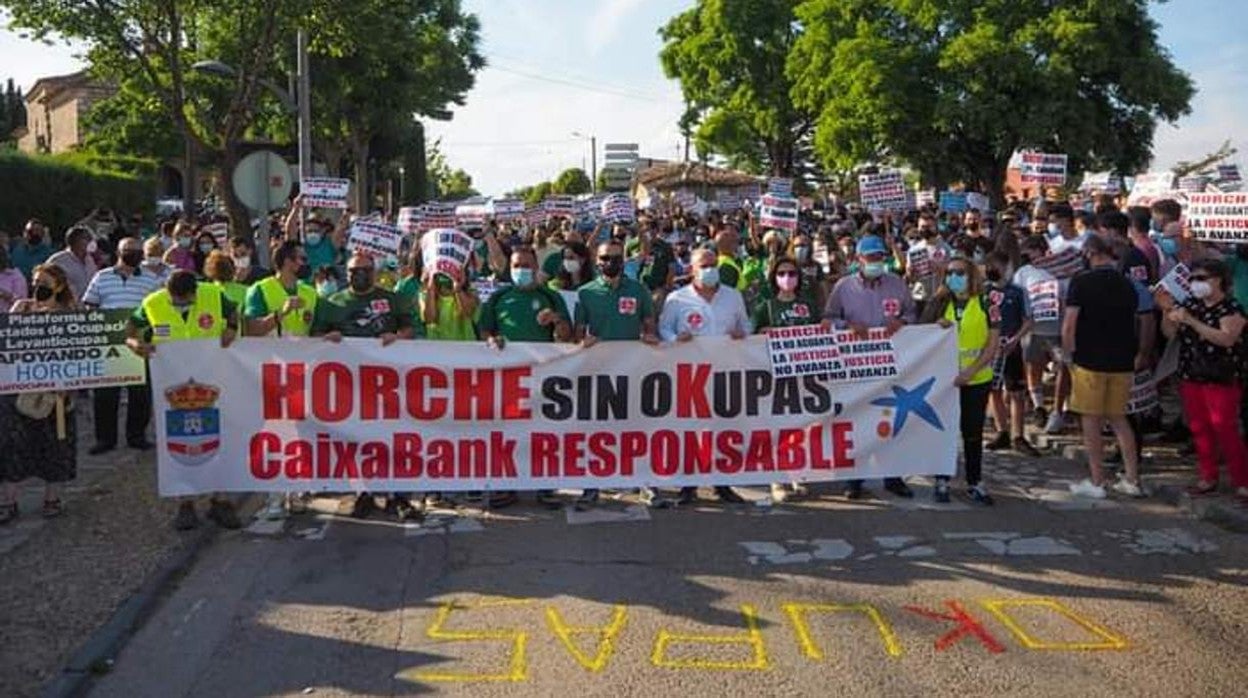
(132, 258)
(361, 280)
(304, 271)
(611, 268)
(994, 275)
(43, 293)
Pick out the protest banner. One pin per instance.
(374, 237)
(471, 216)
(1228, 173)
(840, 356)
(979, 202)
(408, 220)
(1149, 187)
(1193, 184)
(882, 191)
(919, 262)
(1143, 397)
(535, 215)
(446, 251)
(66, 351)
(618, 208)
(324, 192)
(953, 201)
(780, 186)
(560, 205)
(1044, 297)
(1045, 169)
(1218, 217)
(1064, 264)
(486, 288)
(219, 232)
(1101, 183)
(506, 210)
(1176, 283)
(305, 415)
(750, 192)
(778, 212)
(435, 216)
(727, 200)
(925, 197)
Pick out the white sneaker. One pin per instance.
(778, 493)
(1131, 489)
(275, 508)
(1087, 489)
(1056, 423)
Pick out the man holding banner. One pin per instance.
(366, 310)
(186, 310)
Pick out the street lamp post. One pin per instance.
(593, 159)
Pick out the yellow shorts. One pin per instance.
(1097, 394)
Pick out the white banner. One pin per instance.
(882, 191)
(1218, 217)
(306, 415)
(779, 212)
(1043, 168)
(374, 237)
(325, 192)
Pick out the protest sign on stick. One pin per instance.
(446, 251)
(882, 191)
(618, 208)
(778, 212)
(780, 186)
(374, 237)
(1218, 217)
(325, 192)
(953, 201)
(1176, 283)
(1045, 169)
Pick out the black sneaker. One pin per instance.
(404, 510)
(898, 487)
(1023, 446)
(549, 499)
(977, 494)
(587, 499)
(502, 500)
(940, 494)
(100, 449)
(363, 506)
(999, 443)
(1114, 457)
(727, 495)
(1040, 417)
(687, 496)
(223, 514)
(650, 498)
(185, 519)
(143, 445)
(854, 491)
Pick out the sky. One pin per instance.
(590, 67)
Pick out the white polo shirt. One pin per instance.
(686, 311)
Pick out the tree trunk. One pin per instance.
(189, 176)
(240, 217)
(359, 163)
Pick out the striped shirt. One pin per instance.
(110, 290)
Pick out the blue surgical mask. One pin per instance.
(1169, 246)
(1054, 230)
(522, 276)
(206, 247)
(327, 288)
(956, 284)
(873, 270)
(708, 276)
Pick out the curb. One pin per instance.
(96, 655)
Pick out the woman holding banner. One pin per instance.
(959, 303)
(38, 437)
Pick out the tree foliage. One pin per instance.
(955, 87)
(12, 112)
(572, 181)
(446, 184)
(730, 56)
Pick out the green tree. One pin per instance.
(572, 181)
(446, 184)
(955, 87)
(12, 112)
(729, 56)
(538, 193)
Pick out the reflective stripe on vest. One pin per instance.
(297, 324)
(204, 319)
(972, 338)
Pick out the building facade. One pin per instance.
(56, 110)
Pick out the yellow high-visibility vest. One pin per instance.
(297, 324)
(972, 337)
(204, 320)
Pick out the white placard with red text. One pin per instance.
(279, 415)
(1048, 169)
(374, 237)
(325, 192)
(840, 355)
(1218, 217)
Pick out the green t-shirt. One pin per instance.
(662, 258)
(552, 264)
(371, 315)
(322, 254)
(612, 314)
(1239, 278)
(729, 273)
(512, 314)
(450, 325)
(770, 312)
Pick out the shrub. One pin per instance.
(61, 190)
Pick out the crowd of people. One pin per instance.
(1035, 343)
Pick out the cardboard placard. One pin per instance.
(435, 216)
(1176, 283)
(883, 191)
(1218, 217)
(325, 192)
(1101, 182)
(560, 205)
(953, 201)
(1044, 297)
(919, 262)
(374, 237)
(1046, 169)
(446, 251)
(1149, 187)
(779, 212)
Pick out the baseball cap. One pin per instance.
(871, 244)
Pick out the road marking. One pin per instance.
(1109, 641)
(517, 668)
(797, 617)
(966, 625)
(265, 527)
(605, 635)
(316, 532)
(752, 637)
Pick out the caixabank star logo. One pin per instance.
(192, 422)
(903, 403)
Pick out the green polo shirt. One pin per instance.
(512, 314)
(612, 314)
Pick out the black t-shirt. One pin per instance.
(1135, 265)
(1105, 339)
(1193, 349)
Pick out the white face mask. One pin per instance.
(572, 266)
(242, 262)
(1201, 289)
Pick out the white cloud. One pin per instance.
(605, 24)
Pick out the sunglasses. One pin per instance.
(785, 274)
(1199, 277)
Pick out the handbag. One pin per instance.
(40, 406)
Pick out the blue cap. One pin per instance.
(871, 244)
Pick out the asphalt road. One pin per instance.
(1031, 597)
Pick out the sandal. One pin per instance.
(52, 508)
(8, 512)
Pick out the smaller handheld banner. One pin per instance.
(66, 351)
(882, 191)
(839, 355)
(435, 216)
(506, 210)
(325, 192)
(919, 262)
(618, 208)
(374, 237)
(1101, 182)
(778, 212)
(1150, 187)
(219, 231)
(409, 218)
(1048, 169)
(1144, 397)
(1176, 283)
(446, 251)
(1193, 184)
(780, 186)
(1218, 217)
(953, 201)
(1045, 301)
(560, 205)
